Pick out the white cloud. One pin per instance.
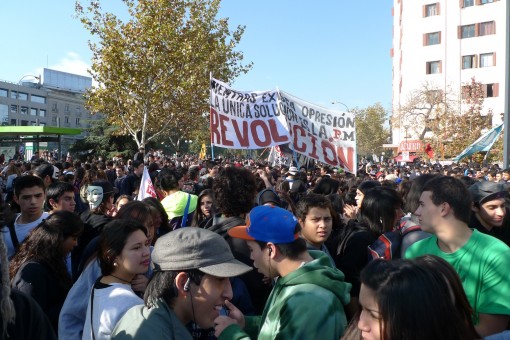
(71, 63)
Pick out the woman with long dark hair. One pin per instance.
(434, 304)
(380, 212)
(39, 267)
(123, 254)
(205, 210)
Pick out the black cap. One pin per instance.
(484, 191)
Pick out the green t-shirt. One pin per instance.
(482, 264)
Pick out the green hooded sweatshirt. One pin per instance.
(305, 304)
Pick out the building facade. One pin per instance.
(55, 100)
(444, 44)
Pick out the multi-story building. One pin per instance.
(445, 43)
(56, 100)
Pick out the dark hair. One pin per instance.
(292, 250)
(234, 191)
(193, 172)
(162, 286)
(25, 182)
(367, 185)
(44, 170)
(113, 240)
(438, 266)
(155, 203)
(312, 201)
(426, 294)
(199, 216)
(136, 163)
(44, 244)
(121, 197)
(168, 179)
(138, 211)
(450, 190)
(378, 209)
(413, 196)
(55, 190)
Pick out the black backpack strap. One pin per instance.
(14, 236)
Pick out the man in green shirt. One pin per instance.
(481, 261)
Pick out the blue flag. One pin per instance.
(484, 143)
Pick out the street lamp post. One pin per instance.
(339, 102)
(17, 101)
(19, 83)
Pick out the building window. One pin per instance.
(4, 93)
(467, 31)
(487, 60)
(32, 123)
(33, 112)
(38, 99)
(432, 38)
(66, 119)
(24, 110)
(433, 67)
(490, 90)
(431, 10)
(54, 119)
(487, 28)
(42, 113)
(469, 3)
(22, 96)
(468, 61)
(42, 124)
(24, 123)
(54, 107)
(14, 108)
(77, 121)
(13, 122)
(4, 114)
(66, 108)
(483, 2)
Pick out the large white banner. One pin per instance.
(245, 120)
(253, 120)
(319, 133)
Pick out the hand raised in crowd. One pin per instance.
(350, 212)
(223, 321)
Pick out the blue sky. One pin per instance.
(320, 51)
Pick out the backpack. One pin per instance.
(387, 246)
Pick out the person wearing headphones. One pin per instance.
(309, 296)
(192, 267)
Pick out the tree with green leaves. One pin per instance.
(448, 120)
(473, 123)
(427, 108)
(103, 140)
(370, 131)
(153, 70)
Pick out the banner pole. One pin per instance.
(210, 104)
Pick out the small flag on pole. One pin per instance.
(202, 152)
(484, 143)
(146, 186)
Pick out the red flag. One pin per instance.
(429, 151)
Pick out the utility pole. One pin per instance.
(506, 119)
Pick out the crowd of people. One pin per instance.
(235, 248)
